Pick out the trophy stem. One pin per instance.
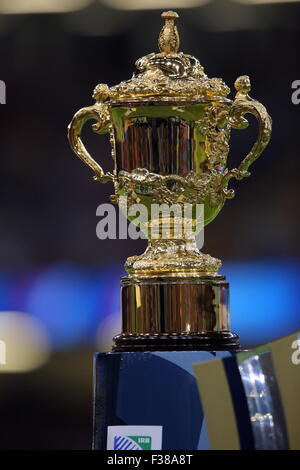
(175, 313)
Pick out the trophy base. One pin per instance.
(172, 342)
(175, 314)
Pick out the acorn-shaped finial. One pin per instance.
(168, 41)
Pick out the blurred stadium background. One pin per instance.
(59, 284)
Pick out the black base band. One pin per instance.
(210, 341)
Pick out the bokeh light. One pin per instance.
(40, 6)
(24, 342)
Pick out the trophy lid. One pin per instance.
(169, 75)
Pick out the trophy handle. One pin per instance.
(99, 113)
(242, 105)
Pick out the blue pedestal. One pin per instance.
(149, 389)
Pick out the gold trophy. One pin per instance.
(169, 128)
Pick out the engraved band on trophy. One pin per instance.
(169, 128)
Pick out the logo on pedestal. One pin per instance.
(132, 443)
